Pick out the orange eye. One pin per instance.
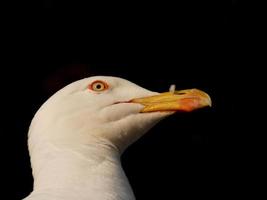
(98, 86)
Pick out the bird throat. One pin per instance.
(84, 172)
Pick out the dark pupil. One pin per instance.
(98, 86)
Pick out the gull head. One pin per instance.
(104, 110)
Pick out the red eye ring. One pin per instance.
(98, 86)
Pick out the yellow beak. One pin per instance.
(183, 100)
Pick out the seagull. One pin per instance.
(78, 135)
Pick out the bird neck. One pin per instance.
(91, 171)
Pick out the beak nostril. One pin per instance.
(180, 93)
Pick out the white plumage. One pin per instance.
(77, 137)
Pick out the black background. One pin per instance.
(191, 44)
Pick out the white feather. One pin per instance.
(77, 137)
(172, 88)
